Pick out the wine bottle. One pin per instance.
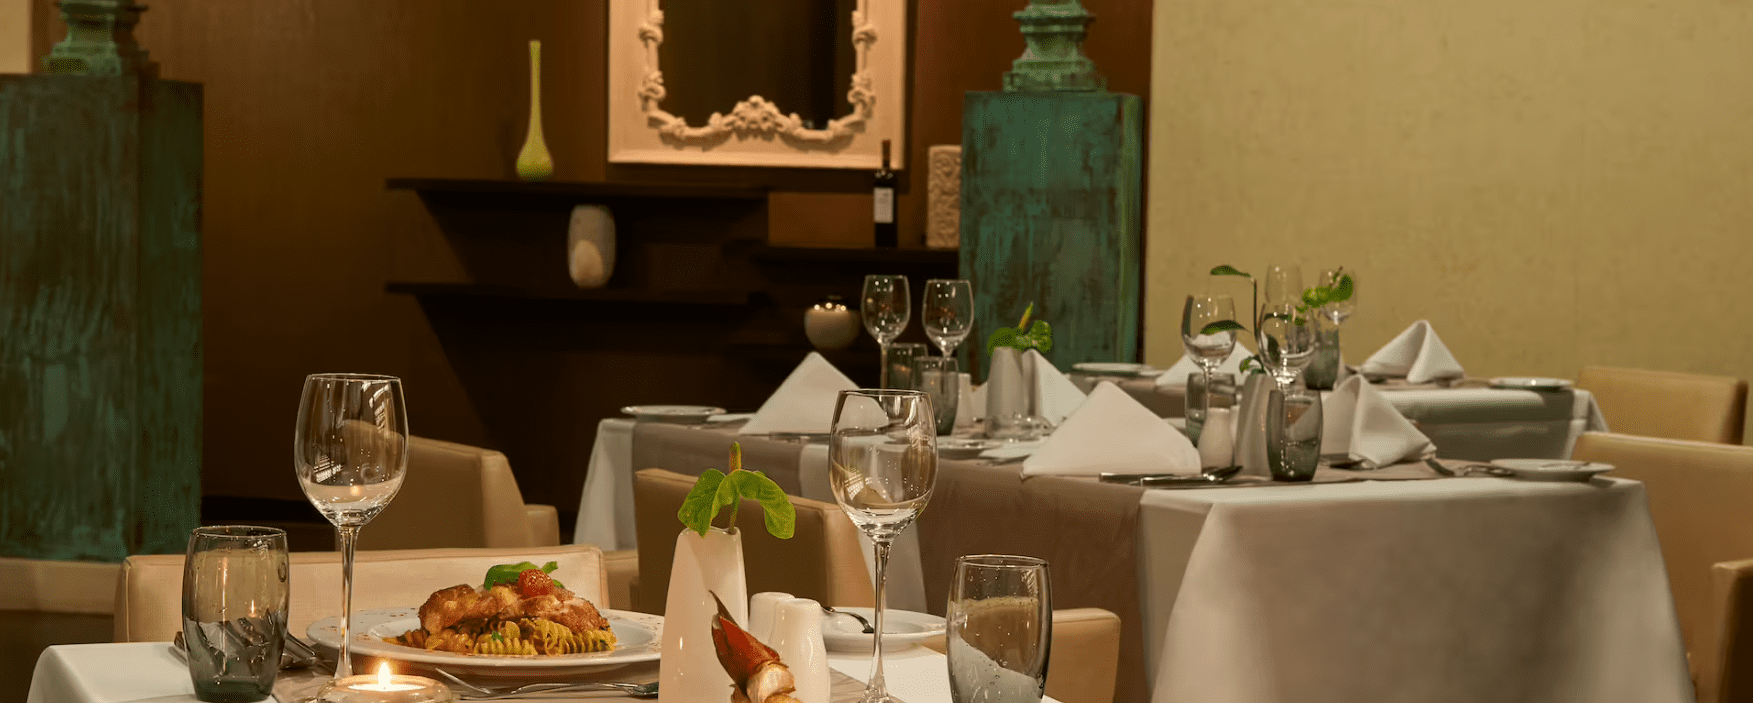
(883, 194)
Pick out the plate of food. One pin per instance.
(901, 629)
(679, 414)
(1552, 469)
(521, 628)
(1530, 383)
(1107, 368)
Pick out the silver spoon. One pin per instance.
(855, 616)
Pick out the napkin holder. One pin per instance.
(704, 566)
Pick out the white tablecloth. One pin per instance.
(138, 672)
(1446, 590)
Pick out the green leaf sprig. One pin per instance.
(506, 574)
(715, 490)
(1312, 299)
(1022, 337)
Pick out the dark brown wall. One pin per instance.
(311, 104)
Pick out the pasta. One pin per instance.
(535, 616)
(525, 637)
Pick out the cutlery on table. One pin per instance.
(1469, 469)
(475, 692)
(855, 616)
(1217, 474)
(295, 654)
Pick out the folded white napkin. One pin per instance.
(1417, 354)
(1112, 432)
(1362, 423)
(1177, 374)
(1055, 395)
(804, 402)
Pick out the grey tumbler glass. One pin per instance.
(999, 627)
(940, 379)
(235, 600)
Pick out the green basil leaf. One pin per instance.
(701, 505)
(1222, 326)
(1227, 270)
(506, 574)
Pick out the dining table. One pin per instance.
(1393, 584)
(138, 672)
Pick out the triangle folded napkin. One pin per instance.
(1417, 354)
(1362, 424)
(1177, 374)
(804, 402)
(1055, 396)
(1112, 432)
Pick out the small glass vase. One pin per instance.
(1293, 433)
(1323, 371)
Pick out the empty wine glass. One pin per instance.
(1339, 311)
(1284, 285)
(882, 466)
(949, 312)
(351, 452)
(1287, 342)
(887, 308)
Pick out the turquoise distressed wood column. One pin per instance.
(100, 315)
(1050, 196)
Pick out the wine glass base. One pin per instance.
(871, 696)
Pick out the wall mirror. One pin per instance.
(796, 83)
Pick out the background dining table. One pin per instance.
(1365, 586)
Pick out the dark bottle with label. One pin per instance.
(883, 193)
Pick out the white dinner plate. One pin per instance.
(901, 629)
(1553, 469)
(1530, 383)
(1111, 368)
(639, 637)
(957, 448)
(679, 414)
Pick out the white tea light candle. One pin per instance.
(384, 687)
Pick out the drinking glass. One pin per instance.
(235, 599)
(949, 312)
(938, 377)
(898, 367)
(1293, 433)
(999, 627)
(1206, 391)
(887, 308)
(1287, 342)
(1284, 285)
(882, 466)
(1338, 312)
(1207, 350)
(351, 451)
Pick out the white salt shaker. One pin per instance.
(797, 638)
(1217, 443)
(761, 613)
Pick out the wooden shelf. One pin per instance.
(579, 190)
(949, 257)
(715, 298)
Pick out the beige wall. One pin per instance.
(1551, 183)
(15, 37)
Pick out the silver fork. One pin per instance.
(483, 693)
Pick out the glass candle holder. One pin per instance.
(384, 687)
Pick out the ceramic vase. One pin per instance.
(1007, 394)
(797, 638)
(1250, 446)
(830, 325)
(590, 246)
(688, 667)
(533, 162)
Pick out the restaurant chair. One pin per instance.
(1668, 404)
(824, 561)
(1700, 496)
(1732, 583)
(149, 589)
(459, 496)
(48, 602)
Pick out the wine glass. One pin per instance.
(1338, 312)
(1284, 284)
(887, 308)
(949, 312)
(882, 465)
(351, 452)
(1287, 342)
(1207, 350)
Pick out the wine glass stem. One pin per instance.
(348, 536)
(883, 380)
(877, 690)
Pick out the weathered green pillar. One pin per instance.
(100, 315)
(1050, 196)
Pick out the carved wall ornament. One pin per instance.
(943, 200)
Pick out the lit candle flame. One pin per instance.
(383, 675)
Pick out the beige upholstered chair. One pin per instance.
(1701, 497)
(1668, 404)
(49, 603)
(824, 561)
(1732, 588)
(149, 591)
(459, 496)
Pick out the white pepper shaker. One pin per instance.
(797, 638)
(761, 612)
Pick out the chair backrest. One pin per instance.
(1733, 590)
(1668, 404)
(1701, 497)
(456, 496)
(822, 561)
(149, 590)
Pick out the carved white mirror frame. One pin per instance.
(757, 132)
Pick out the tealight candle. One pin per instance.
(384, 687)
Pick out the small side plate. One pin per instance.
(901, 629)
(957, 448)
(1553, 469)
(1112, 368)
(1531, 383)
(679, 414)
